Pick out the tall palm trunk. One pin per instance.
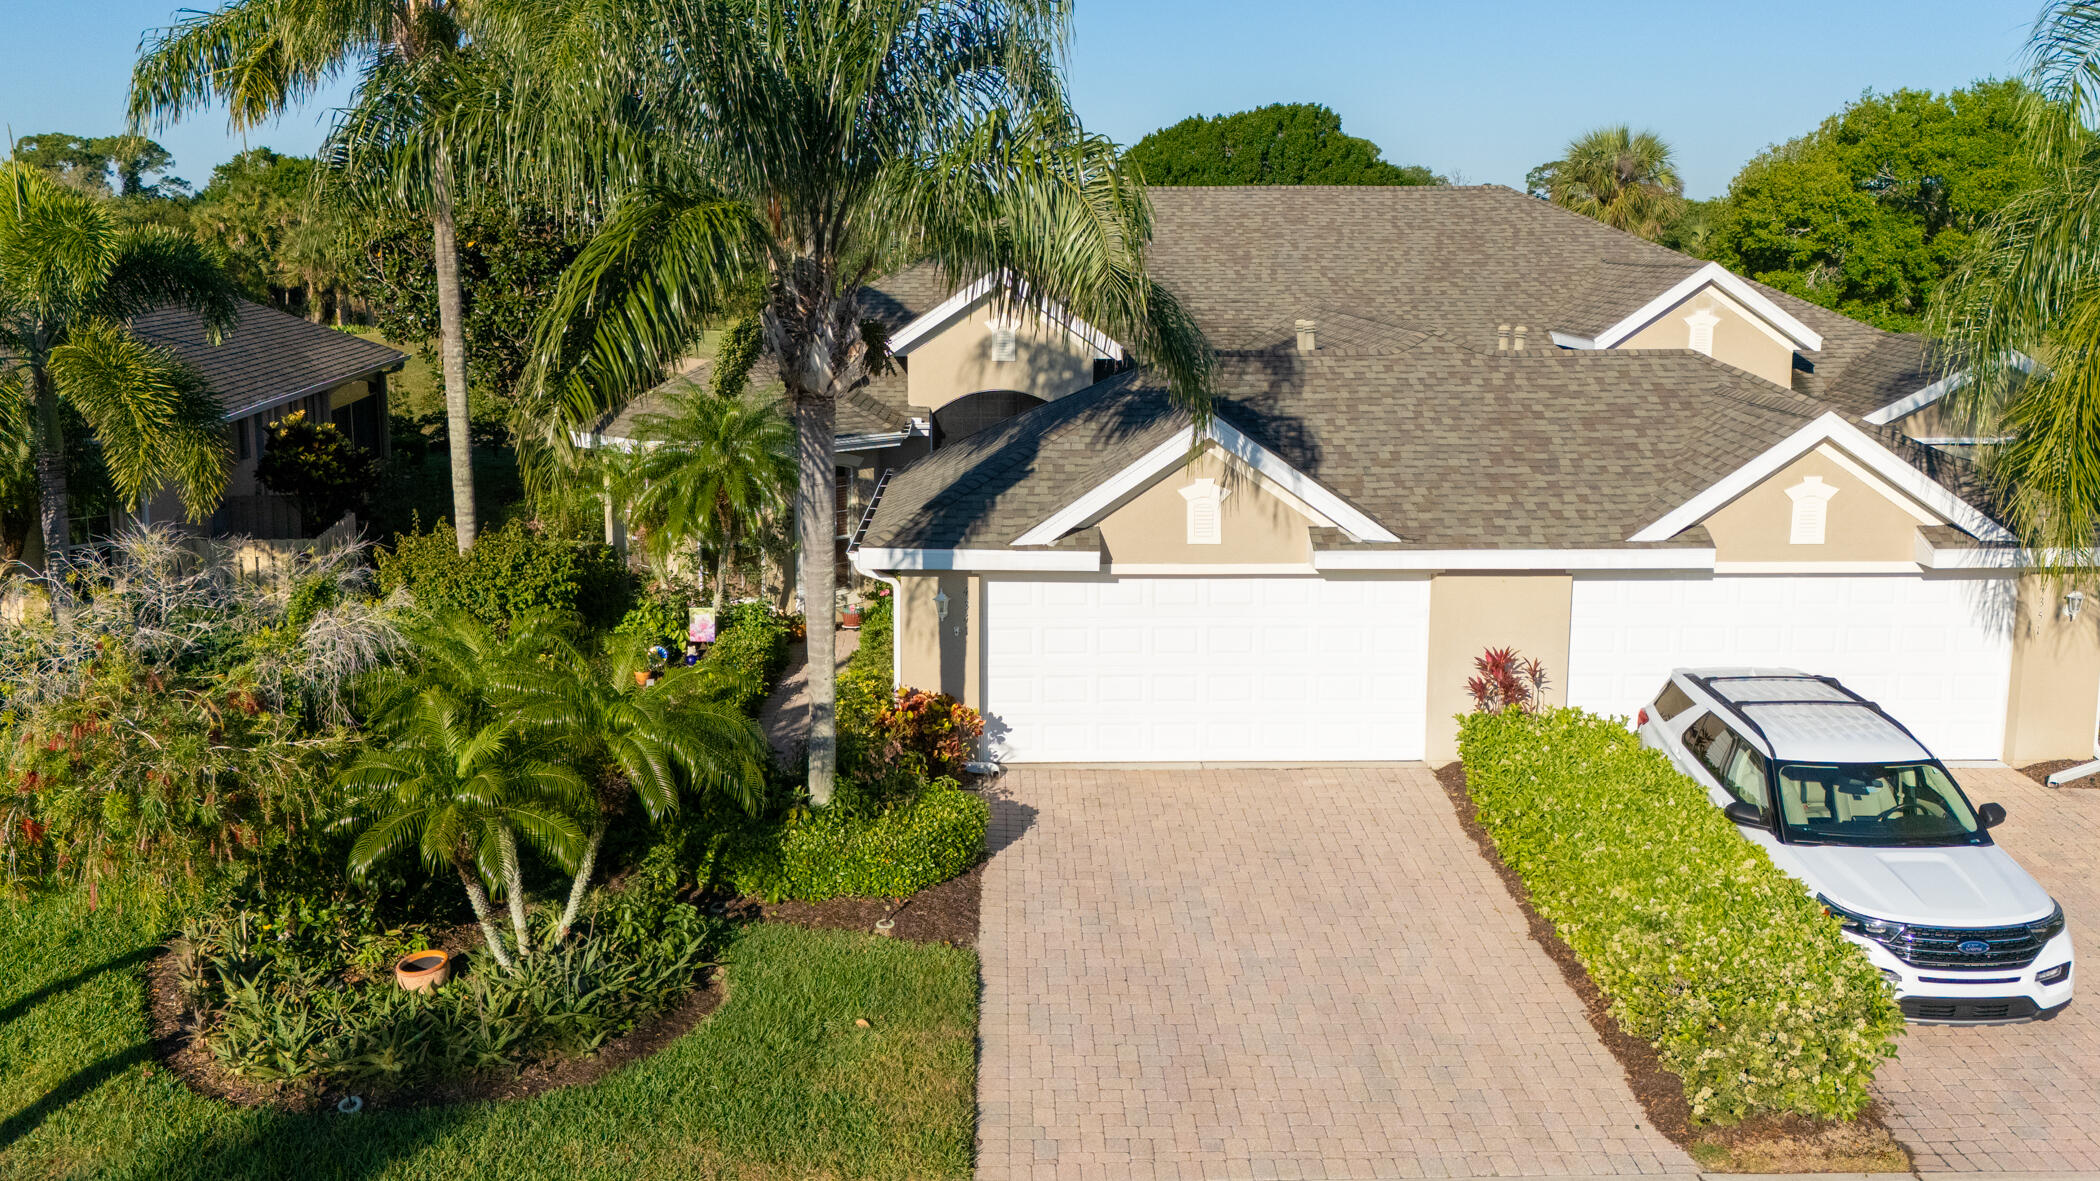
(815, 489)
(478, 898)
(452, 348)
(50, 464)
(514, 886)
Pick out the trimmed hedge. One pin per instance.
(507, 573)
(1703, 947)
(749, 652)
(833, 853)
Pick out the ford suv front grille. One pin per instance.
(1955, 947)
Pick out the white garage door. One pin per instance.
(1934, 652)
(1205, 669)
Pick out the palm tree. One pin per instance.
(261, 57)
(806, 147)
(2019, 321)
(650, 742)
(461, 788)
(722, 466)
(1623, 178)
(70, 278)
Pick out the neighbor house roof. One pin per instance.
(269, 357)
(859, 412)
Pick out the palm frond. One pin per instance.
(157, 420)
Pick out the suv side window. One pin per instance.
(1672, 701)
(1733, 761)
(1709, 740)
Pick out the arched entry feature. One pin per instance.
(971, 413)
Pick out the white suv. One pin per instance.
(1844, 798)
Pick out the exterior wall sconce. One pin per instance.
(2073, 603)
(940, 604)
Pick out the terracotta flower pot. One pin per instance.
(850, 619)
(421, 971)
(641, 677)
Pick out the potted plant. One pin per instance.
(849, 610)
(421, 971)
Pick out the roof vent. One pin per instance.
(1501, 338)
(1305, 336)
(1518, 344)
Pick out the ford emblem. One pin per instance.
(1973, 947)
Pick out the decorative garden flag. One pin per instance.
(700, 625)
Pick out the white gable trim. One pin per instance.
(1926, 396)
(1800, 335)
(870, 558)
(916, 333)
(1834, 429)
(1176, 449)
(1675, 558)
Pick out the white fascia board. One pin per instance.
(1831, 427)
(870, 558)
(1922, 398)
(1810, 567)
(1997, 557)
(1148, 467)
(869, 442)
(1569, 340)
(1686, 558)
(1719, 276)
(592, 441)
(919, 331)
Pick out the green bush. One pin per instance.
(840, 852)
(1703, 947)
(749, 652)
(864, 689)
(507, 573)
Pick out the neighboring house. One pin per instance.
(1446, 419)
(269, 366)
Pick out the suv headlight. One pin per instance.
(1879, 930)
(2050, 927)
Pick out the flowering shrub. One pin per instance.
(1506, 681)
(1703, 947)
(927, 734)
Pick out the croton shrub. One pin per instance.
(1703, 947)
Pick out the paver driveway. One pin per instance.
(2016, 1097)
(1303, 973)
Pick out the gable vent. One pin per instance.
(1811, 518)
(1206, 525)
(1003, 344)
(1702, 324)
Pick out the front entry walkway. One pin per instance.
(1291, 974)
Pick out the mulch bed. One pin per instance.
(180, 1053)
(2040, 773)
(1791, 1144)
(946, 913)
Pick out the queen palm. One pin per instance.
(804, 148)
(261, 57)
(721, 466)
(2020, 319)
(1623, 178)
(70, 278)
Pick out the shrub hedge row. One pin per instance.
(749, 652)
(507, 573)
(838, 852)
(1703, 947)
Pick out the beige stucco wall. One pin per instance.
(1737, 341)
(1470, 613)
(2055, 695)
(348, 392)
(932, 653)
(1862, 523)
(1048, 361)
(1257, 526)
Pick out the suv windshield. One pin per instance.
(1875, 804)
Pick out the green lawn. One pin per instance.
(779, 1083)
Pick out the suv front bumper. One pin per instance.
(1987, 996)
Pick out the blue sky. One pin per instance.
(1478, 90)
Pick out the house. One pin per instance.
(1446, 419)
(270, 365)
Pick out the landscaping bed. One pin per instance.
(945, 914)
(2040, 773)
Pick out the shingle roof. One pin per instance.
(860, 411)
(1405, 409)
(268, 357)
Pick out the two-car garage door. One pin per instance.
(1934, 651)
(1205, 669)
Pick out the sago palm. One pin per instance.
(461, 788)
(70, 278)
(655, 742)
(262, 57)
(2020, 320)
(805, 148)
(720, 467)
(1623, 178)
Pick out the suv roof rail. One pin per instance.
(1709, 684)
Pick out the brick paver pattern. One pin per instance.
(1292, 974)
(2022, 1098)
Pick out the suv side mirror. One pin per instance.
(1743, 813)
(1990, 815)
